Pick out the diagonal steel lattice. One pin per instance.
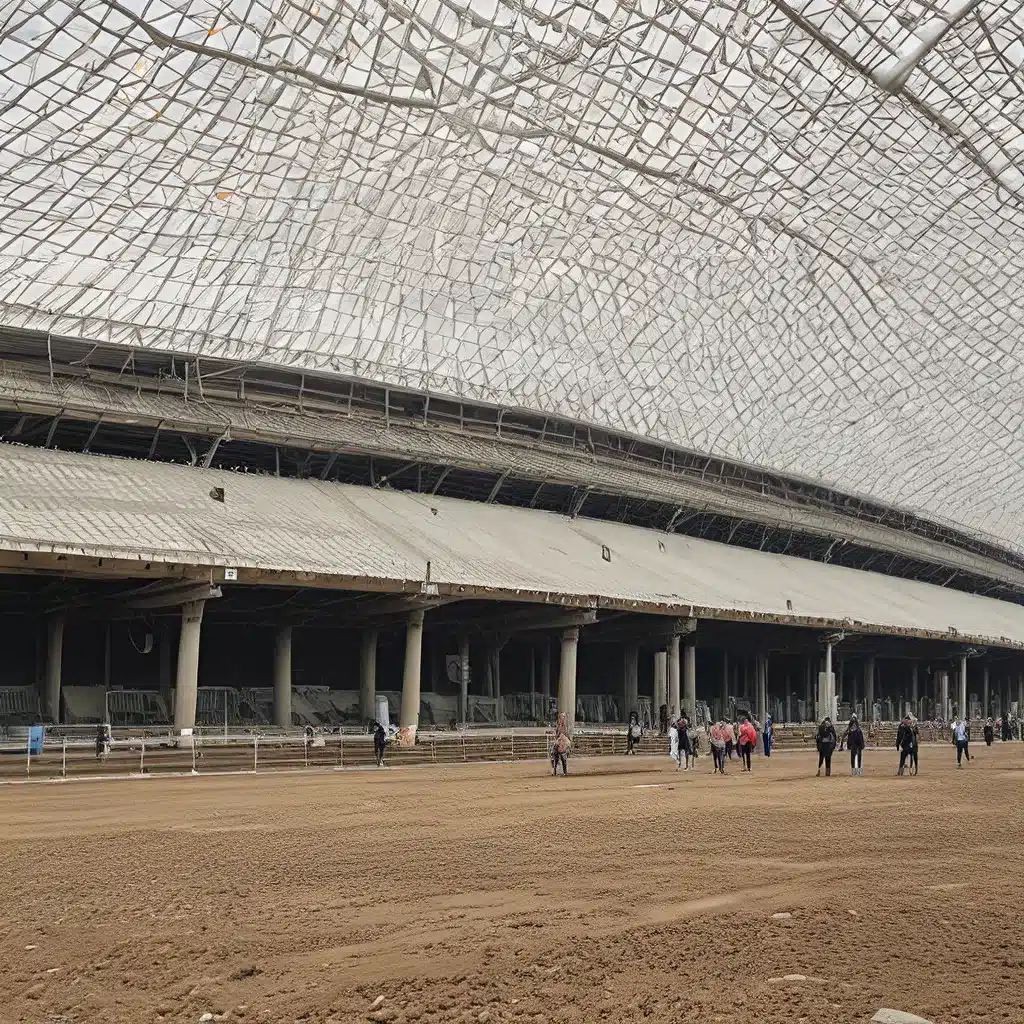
(788, 232)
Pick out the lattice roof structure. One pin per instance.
(788, 233)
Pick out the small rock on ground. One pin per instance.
(781, 916)
(897, 1017)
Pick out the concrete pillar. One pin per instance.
(499, 708)
(962, 710)
(368, 676)
(789, 699)
(660, 685)
(944, 696)
(914, 692)
(410, 718)
(840, 678)
(690, 678)
(826, 687)
(283, 678)
(567, 676)
(985, 709)
(762, 687)
(673, 679)
(106, 655)
(630, 673)
(725, 684)
(809, 703)
(54, 654)
(1020, 698)
(545, 671)
(869, 689)
(186, 684)
(463, 678)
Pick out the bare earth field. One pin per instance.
(496, 893)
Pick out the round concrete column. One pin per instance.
(54, 655)
(962, 710)
(283, 678)
(660, 685)
(690, 678)
(368, 676)
(410, 717)
(186, 686)
(673, 678)
(567, 676)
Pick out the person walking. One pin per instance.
(561, 745)
(989, 733)
(768, 737)
(747, 740)
(826, 744)
(729, 734)
(633, 733)
(560, 753)
(1006, 732)
(718, 734)
(905, 745)
(380, 742)
(961, 737)
(685, 744)
(853, 737)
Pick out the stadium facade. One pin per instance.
(484, 350)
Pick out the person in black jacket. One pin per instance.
(826, 743)
(854, 740)
(905, 744)
(989, 733)
(380, 742)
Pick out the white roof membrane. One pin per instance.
(790, 233)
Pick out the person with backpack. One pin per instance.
(747, 742)
(380, 742)
(826, 743)
(633, 733)
(718, 741)
(961, 737)
(854, 740)
(905, 745)
(560, 748)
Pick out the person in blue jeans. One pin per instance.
(961, 737)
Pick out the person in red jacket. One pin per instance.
(747, 741)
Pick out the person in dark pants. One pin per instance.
(826, 743)
(560, 753)
(961, 737)
(854, 740)
(380, 742)
(101, 741)
(633, 734)
(905, 745)
(747, 742)
(989, 733)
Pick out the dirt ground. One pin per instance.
(626, 892)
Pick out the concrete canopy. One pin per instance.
(99, 514)
(788, 233)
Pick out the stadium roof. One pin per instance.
(790, 233)
(127, 513)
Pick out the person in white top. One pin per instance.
(961, 737)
